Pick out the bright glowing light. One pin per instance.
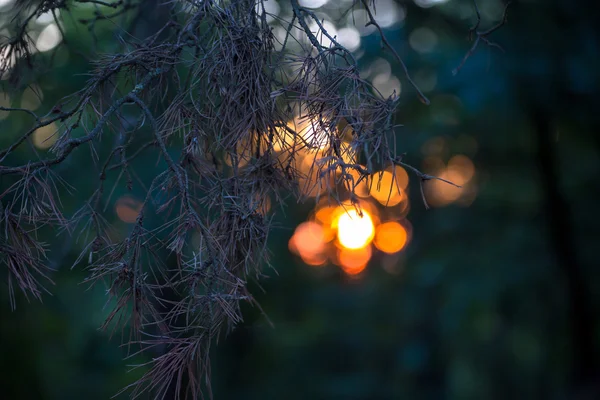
(45, 137)
(354, 231)
(390, 237)
(49, 38)
(128, 209)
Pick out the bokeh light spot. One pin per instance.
(464, 166)
(49, 38)
(423, 40)
(359, 185)
(312, 3)
(387, 85)
(354, 261)
(349, 37)
(309, 242)
(6, 3)
(440, 193)
(47, 17)
(355, 231)
(387, 189)
(45, 137)
(128, 209)
(390, 237)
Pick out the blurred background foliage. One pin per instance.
(495, 294)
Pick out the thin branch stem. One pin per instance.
(387, 44)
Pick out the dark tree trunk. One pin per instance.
(561, 236)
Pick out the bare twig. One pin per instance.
(399, 59)
(482, 36)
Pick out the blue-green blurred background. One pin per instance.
(495, 297)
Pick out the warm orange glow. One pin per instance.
(460, 171)
(464, 166)
(310, 162)
(361, 188)
(390, 237)
(352, 249)
(387, 189)
(315, 260)
(128, 209)
(284, 139)
(441, 193)
(309, 242)
(354, 261)
(354, 231)
(348, 153)
(325, 216)
(401, 177)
